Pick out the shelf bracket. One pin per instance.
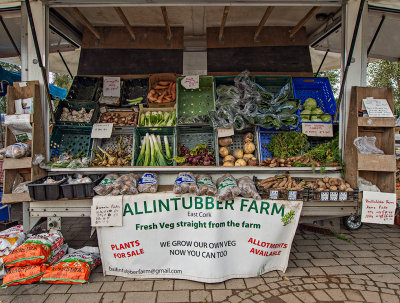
(264, 19)
(124, 20)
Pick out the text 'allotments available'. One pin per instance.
(378, 207)
(111, 86)
(102, 130)
(106, 212)
(317, 129)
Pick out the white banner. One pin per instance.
(199, 238)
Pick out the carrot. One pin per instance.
(159, 99)
(169, 88)
(160, 87)
(164, 83)
(174, 91)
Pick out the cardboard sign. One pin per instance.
(111, 86)
(225, 131)
(378, 207)
(106, 211)
(378, 108)
(102, 130)
(317, 129)
(191, 82)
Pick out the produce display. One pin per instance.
(162, 92)
(76, 116)
(205, 186)
(198, 156)
(330, 184)
(119, 118)
(148, 183)
(134, 91)
(152, 152)
(112, 157)
(238, 157)
(185, 183)
(228, 188)
(288, 144)
(282, 182)
(289, 162)
(16, 151)
(157, 118)
(312, 113)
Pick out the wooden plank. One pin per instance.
(264, 19)
(86, 22)
(332, 211)
(116, 37)
(384, 180)
(166, 22)
(9, 163)
(381, 163)
(125, 21)
(376, 122)
(130, 61)
(15, 198)
(62, 203)
(223, 22)
(303, 21)
(267, 72)
(243, 36)
(375, 92)
(284, 59)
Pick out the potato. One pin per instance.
(223, 151)
(248, 138)
(238, 153)
(252, 162)
(228, 163)
(225, 141)
(240, 162)
(326, 179)
(246, 157)
(333, 188)
(229, 158)
(342, 187)
(249, 148)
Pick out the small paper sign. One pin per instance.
(324, 196)
(292, 195)
(333, 196)
(102, 130)
(225, 131)
(111, 86)
(317, 129)
(106, 211)
(378, 207)
(377, 108)
(191, 82)
(274, 194)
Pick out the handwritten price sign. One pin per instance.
(317, 129)
(378, 207)
(191, 82)
(111, 86)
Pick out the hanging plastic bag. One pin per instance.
(366, 145)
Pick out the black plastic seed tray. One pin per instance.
(83, 190)
(41, 192)
(132, 89)
(83, 88)
(336, 195)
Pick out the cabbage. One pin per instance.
(310, 104)
(315, 119)
(317, 111)
(326, 118)
(305, 114)
(305, 120)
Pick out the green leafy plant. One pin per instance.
(288, 144)
(287, 219)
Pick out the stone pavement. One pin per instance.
(321, 269)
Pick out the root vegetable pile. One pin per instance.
(76, 116)
(289, 162)
(281, 182)
(163, 92)
(119, 119)
(330, 184)
(239, 157)
(112, 157)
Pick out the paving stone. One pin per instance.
(303, 263)
(263, 288)
(85, 288)
(324, 262)
(337, 270)
(371, 296)
(258, 298)
(353, 295)
(185, 284)
(163, 285)
(357, 287)
(383, 253)
(137, 286)
(200, 296)
(359, 269)
(393, 286)
(295, 288)
(9, 290)
(363, 254)
(86, 298)
(57, 298)
(32, 289)
(113, 297)
(322, 254)
(345, 261)
(6, 298)
(58, 289)
(295, 272)
(290, 298)
(305, 297)
(336, 294)
(253, 282)
(367, 261)
(309, 286)
(235, 284)
(275, 292)
(171, 296)
(382, 269)
(302, 255)
(314, 271)
(99, 277)
(387, 298)
(220, 294)
(343, 254)
(111, 287)
(235, 299)
(307, 248)
(388, 291)
(271, 274)
(372, 288)
(384, 246)
(321, 285)
(30, 298)
(320, 295)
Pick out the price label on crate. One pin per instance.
(343, 196)
(292, 195)
(191, 82)
(102, 130)
(274, 194)
(317, 129)
(111, 86)
(324, 196)
(225, 131)
(333, 195)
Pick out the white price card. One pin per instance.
(191, 82)
(111, 86)
(317, 129)
(378, 108)
(106, 211)
(378, 207)
(225, 131)
(102, 130)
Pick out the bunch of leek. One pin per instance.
(157, 119)
(151, 152)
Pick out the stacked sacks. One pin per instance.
(73, 268)
(10, 239)
(29, 261)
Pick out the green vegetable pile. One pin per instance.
(288, 144)
(157, 119)
(326, 153)
(312, 113)
(152, 153)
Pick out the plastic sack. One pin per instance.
(148, 183)
(364, 185)
(126, 185)
(205, 186)
(73, 268)
(78, 179)
(227, 188)
(16, 151)
(248, 188)
(10, 239)
(39, 158)
(38, 249)
(366, 145)
(21, 188)
(185, 183)
(105, 186)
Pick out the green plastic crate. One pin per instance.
(274, 84)
(190, 136)
(77, 105)
(194, 102)
(70, 139)
(140, 132)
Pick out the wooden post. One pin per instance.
(86, 22)
(224, 17)
(303, 21)
(166, 21)
(264, 19)
(123, 18)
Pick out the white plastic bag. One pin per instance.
(366, 145)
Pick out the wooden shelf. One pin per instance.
(9, 163)
(381, 163)
(15, 198)
(375, 122)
